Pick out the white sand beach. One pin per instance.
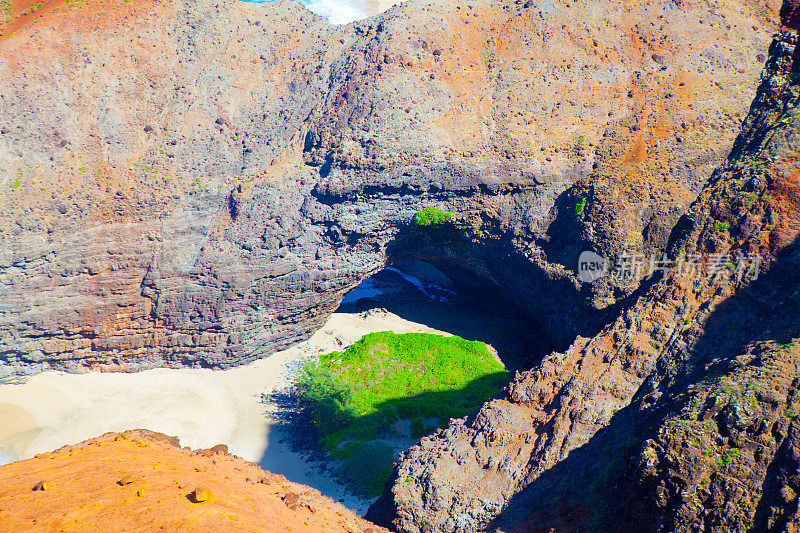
(201, 407)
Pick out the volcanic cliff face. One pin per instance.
(143, 481)
(678, 416)
(200, 183)
(206, 184)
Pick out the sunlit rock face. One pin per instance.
(651, 423)
(200, 183)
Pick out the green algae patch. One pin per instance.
(387, 390)
(432, 215)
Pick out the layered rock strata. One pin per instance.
(200, 183)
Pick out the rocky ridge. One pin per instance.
(678, 416)
(141, 480)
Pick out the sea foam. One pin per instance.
(336, 11)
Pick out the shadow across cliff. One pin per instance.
(364, 457)
(490, 319)
(594, 488)
(375, 440)
(500, 296)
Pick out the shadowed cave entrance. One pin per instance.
(453, 301)
(440, 277)
(472, 285)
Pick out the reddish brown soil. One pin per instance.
(33, 14)
(83, 491)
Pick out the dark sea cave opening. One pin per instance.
(452, 299)
(440, 279)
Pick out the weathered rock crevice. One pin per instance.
(566, 428)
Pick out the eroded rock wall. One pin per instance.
(673, 416)
(200, 183)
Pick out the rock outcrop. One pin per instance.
(678, 416)
(166, 487)
(200, 183)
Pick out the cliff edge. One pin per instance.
(679, 415)
(144, 481)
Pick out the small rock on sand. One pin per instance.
(291, 500)
(127, 479)
(200, 494)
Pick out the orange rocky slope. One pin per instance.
(143, 481)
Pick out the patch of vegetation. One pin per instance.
(369, 400)
(33, 9)
(17, 181)
(729, 456)
(788, 345)
(330, 396)
(432, 215)
(579, 208)
(721, 226)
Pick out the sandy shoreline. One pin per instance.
(202, 407)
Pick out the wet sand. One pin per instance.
(18, 428)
